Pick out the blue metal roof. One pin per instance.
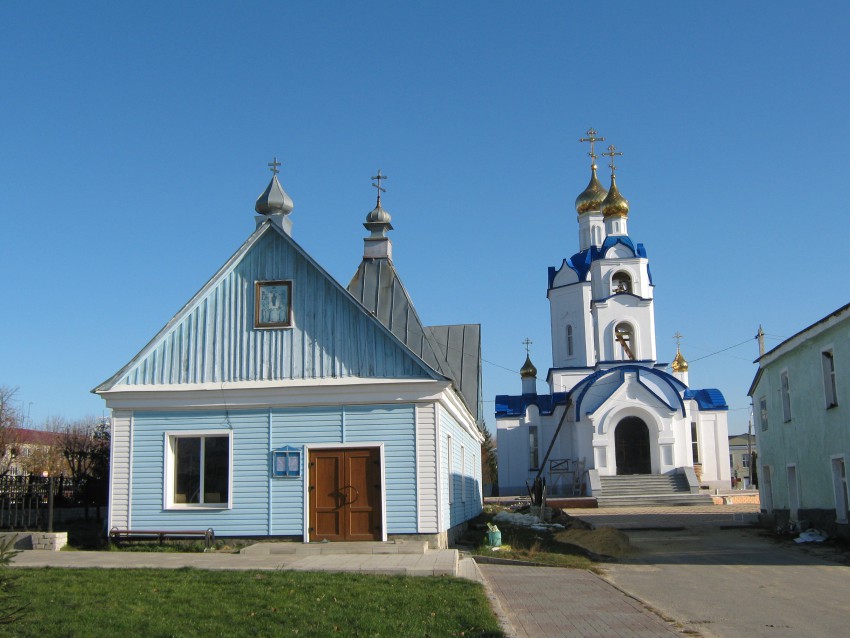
(582, 387)
(516, 405)
(581, 261)
(707, 399)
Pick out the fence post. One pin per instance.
(50, 504)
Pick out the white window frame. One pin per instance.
(839, 483)
(533, 447)
(830, 389)
(450, 467)
(462, 474)
(168, 464)
(695, 447)
(785, 395)
(763, 416)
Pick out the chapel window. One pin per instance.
(624, 342)
(570, 341)
(621, 282)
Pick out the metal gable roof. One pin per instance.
(453, 351)
(198, 356)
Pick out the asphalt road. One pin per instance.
(737, 582)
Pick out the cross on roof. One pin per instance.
(678, 337)
(527, 342)
(591, 137)
(612, 153)
(379, 177)
(273, 165)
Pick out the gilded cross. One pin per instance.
(527, 342)
(379, 177)
(273, 165)
(678, 337)
(591, 137)
(612, 154)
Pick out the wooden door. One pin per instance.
(345, 495)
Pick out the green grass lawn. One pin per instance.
(187, 602)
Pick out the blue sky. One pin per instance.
(135, 138)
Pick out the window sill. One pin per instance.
(831, 405)
(197, 506)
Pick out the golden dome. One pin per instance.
(528, 370)
(615, 205)
(679, 363)
(592, 196)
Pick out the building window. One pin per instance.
(745, 460)
(462, 474)
(621, 282)
(199, 465)
(450, 466)
(695, 442)
(763, 413)
(533, 448)
(273, 304)
(624, 342)
(839, 479)
(786, 396)
(569, 341)
(828, 363)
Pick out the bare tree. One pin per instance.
(10, 422)
(85, 446)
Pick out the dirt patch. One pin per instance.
(603, 541)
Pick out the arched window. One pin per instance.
(621, 282)
(569, 341)
(625, 348)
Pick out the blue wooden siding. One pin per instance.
(263, 506)
(214, 339)
(457, 475)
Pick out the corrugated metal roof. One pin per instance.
(453, 351)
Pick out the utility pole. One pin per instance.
(760, 337)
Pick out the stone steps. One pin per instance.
(647, 490)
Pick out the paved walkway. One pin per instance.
(432, 563)
(548, 602)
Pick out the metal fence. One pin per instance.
(28, 502)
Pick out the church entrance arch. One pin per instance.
(631, 441)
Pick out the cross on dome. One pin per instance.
(273, 165)
(379, 177)
(678, 337)
(591, 137)
(612, 153)
(527, 342)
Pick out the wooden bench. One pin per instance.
(117, 535)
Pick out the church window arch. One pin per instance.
(621, 281)
(570, 348)
(625, 345)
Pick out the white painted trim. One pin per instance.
(168, 470)
(276, 394)
(416, 464)
(843, 457)
(130, 471)
(109, 524)
(341, 446)
(438, 451)
(271, 478)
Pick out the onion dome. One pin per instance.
(274, 199)
(679, 363)
(614, 204)
(592, 196)
(528, 371)
(378, 221)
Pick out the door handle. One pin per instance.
(356, 494)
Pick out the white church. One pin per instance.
(612, 408)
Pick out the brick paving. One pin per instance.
(548, 602)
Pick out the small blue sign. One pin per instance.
(286, 462)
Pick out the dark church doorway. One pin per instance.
(631, 440)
